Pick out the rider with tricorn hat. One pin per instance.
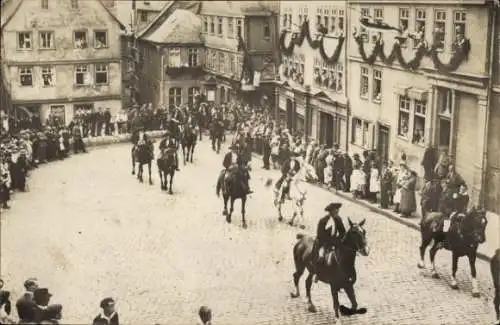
(167, 143)
(330, 232)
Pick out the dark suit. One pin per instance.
(227, 162)
(26, 308)
(100, 320)
(325, 237)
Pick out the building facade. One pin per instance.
(312, 84)
(54, 70)
(171, 56)
(240, 43)
(419, 76)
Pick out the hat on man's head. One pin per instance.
(333, 206)
(107, 302)
(41, 295)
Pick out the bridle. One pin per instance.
(351, 230)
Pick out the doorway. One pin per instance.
(383, 142)
(289, 114)
(327, 132)
(222, 95)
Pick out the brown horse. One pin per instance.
(466, 232)
(231, 191)
(495, 274)
(142, 154)
(188, 142)
(339, 273)
(166, 167)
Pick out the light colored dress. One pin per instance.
(357, 180)
(374, 181)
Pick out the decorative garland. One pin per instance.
(287, 50)
(460, 54)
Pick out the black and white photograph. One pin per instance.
(250, 162)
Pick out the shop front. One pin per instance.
(329, 122)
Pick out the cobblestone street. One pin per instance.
(88, 229)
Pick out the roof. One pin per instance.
(236, 8)
(169, 8)
(10, 7)
(157, 5)
(175, 30)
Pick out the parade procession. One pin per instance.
(250, 162)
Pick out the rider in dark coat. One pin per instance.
(289, 168)
(234, 163)
(168, 143)
(329, 234)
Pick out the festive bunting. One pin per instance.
(298, 40)
(460, 54)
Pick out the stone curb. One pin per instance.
(383, 212)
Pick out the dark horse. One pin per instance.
(232, 189)
(495, 274)
(188, 142)
(339, 273)
(466, 232)
(142, 154)
(217, 134)
(166, 167)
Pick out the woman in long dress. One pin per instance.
(357, 180)
(408, 204)
(386, 186)
(374, 182)
(400, 176)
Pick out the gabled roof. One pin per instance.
(169, 8)
(10, 7)
(155, 5)
(236, 8)
(181, 27)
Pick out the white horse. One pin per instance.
(297, 193)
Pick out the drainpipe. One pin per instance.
(484, 167)
(346, 74)
(162, 74)
(307, 113)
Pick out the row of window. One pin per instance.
(412, 116)
(364, 86)
(175, 96)
(419, 23)
(44, 4)
(329, 77)
(214, 25)
(84, 75)
(223, 62)
(181, 57)
(330, 18)
(46, 40)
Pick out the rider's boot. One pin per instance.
(319, 261)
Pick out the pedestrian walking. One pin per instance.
(386, 180)
(374, 181)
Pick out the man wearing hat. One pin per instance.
(167, 143)
(329, 233)
(233, 163)
(108, 316)
(288, 170)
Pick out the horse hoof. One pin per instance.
(454, 286)
(435, 275)
(294, 295)
(133, 173)
(245, 226)
(280, 219)
(290, 223)
(302, 227)
(150, 183)
(475, 294)
(421, 265)
(312, 309)
(170, 192)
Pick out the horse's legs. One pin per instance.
(192, 152)
(162, 185)
(149, 171)
(299, 270)
(309, 282)
(133, 163)
(426, 240)
(472, 264)
(336, 303)
(171, 181)
(432, 253)
(454, 267)
(280, 215)
(226, 213)
(243, 204)
(184, 153)
(349, 290)
(139, 173)
(231, 208)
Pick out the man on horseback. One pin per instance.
(329, 235)
(168, 144)
(288, 171)
(234, 164)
